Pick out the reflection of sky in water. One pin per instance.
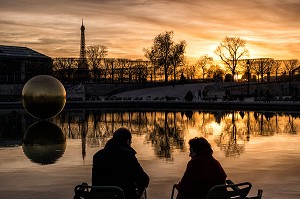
(270, 160)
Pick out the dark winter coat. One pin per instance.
(117, 165)
(202, 173)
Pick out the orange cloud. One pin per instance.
(271, 27)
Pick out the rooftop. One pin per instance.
(17, 51)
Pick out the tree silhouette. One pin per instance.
(177, 57)
(165, 52)
(291, 66)
(204, 63)
(215, 72)
(231, 50)
(262, 66)
(276, 65)
(95, 55)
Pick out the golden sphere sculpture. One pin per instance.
(43, 96)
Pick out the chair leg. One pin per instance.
(142, 194)
(258, 196)
(173, 189)
(259, 193)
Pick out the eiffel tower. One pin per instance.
(82, 43)
(82, 64)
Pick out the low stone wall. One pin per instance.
(274, 88)
(13, 92)
(184, 105)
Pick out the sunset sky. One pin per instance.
(270, 27)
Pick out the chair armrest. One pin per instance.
(230, 182)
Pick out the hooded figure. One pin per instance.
(116, 165)
(203, 171)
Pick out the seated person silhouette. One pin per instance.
(116, 165)
(203, 171)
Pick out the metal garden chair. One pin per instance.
(85, 191)
(228, 191)
(231, 190)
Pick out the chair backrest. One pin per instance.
(229, 191)
(98, 192)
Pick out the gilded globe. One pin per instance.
(43, 96)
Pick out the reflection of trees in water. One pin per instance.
(188, 114)
(166, 135)
(231, 140)
(237, 131)
(290, 127)
(242, 114)
(202, 121)
(276, 125)
(95, 128)
(165, 130)
(263, 124)
(160, 141)
(219, 115)
(230, 146)
(266, 124)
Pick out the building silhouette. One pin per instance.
(19, 64)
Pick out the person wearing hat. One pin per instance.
(116, 165)
(203, 171)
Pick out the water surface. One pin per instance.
(259, 147)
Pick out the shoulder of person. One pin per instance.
(98, 153)
(129, 150)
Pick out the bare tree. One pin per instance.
(109, 69)
(215, 72)
(64, 69)
(190, 71)
(95, 55)
(203, 63)
(178, 57)
(247, 67)
(149, 54)
(123, 69)
(291, 66)
(231, 50)
(263, 66)
(276, 67)
(164, 52)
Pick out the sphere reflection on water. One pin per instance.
(43, 96)
(44, 142)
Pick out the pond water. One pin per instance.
(260, 147)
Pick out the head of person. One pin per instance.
(199, 145)
(122, 136)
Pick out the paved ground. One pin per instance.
(179, 91)
(170, 91)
